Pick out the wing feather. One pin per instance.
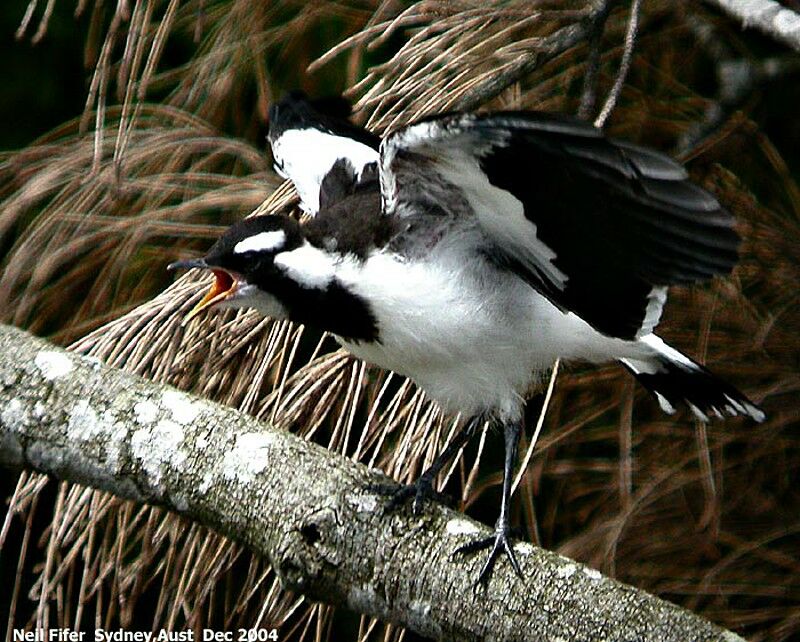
(593, 223)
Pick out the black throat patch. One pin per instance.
(333, 309)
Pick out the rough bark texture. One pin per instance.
(306, 509)
(768, 16)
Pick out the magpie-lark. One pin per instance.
(470, 251)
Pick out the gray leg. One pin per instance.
(501, 540)
(422, 489)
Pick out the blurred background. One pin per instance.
(132, 134)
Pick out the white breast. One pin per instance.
(473, 336)
(445, 323)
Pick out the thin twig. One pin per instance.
(626, 446)
(539, 423)
(589, 92)
(624, 65)
(42, 30)
(26, 20)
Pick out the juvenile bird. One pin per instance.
(469, 251)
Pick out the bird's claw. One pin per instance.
(421, 490)
(499, 542)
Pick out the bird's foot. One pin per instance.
(421, 490)
(498, 543)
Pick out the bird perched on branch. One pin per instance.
(471, 251)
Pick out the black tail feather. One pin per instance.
(676, 380)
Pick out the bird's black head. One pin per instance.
(242, 260)
(247, 247)
(296, 111)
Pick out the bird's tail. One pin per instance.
(674, 379)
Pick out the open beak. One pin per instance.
(224, 286)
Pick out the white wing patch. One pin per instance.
(306, 155)
(502, 217)
(410, 137)
(501, 214)
(262, 242)
(655, 305)
(657, 343)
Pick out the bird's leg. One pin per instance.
(422, 489)
(501, 540)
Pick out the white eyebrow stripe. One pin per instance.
(261, 242)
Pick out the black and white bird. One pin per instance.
(470, 251)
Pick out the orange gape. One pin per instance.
(223, 285)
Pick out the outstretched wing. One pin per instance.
(308, 137)
(598, 226)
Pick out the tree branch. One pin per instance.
(306, 509)
(768, 16)
(551, 46)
